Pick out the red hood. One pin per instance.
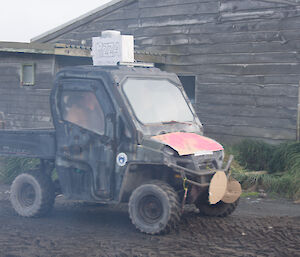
(188, 143)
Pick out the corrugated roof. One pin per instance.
(71, 50)
(45, 48)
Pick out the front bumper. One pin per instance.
(217, 182)
(198, 176)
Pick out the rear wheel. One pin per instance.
(154, 208)
(32, 194)
(219, 209)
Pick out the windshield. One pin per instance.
(157, 101)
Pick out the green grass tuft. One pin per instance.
(286, 157)
(282, 162)
(11, 167)
(254, 155)
(250, 194)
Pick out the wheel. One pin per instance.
(154, 208)
(32, 194)
(219, 209)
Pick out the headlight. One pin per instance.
(219, 156)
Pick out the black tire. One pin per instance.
(154, 208)
(219, 209)
(32, 194)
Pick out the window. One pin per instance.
(28, 74)
(83, 109)
(188, 83)
(157, 101)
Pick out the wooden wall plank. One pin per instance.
(258, 14)
(234, 6)
(184, 9)
(257, 79)
(233, 139)
(261, 122)
(238, 69)
(249, 89)
(218, 38)
(290, 23)
(177, 20)
(267, 101)
(254, 132)
(159, 3)
(238, 58)
(271, 112)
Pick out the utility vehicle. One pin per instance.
(122, 134)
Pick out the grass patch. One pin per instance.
(249, 194)
(12, 167)
(286, 158)
(254, 155)
(281, 163)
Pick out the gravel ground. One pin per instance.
(259, 227)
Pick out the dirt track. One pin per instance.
(78, 229)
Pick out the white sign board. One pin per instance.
(112, 48)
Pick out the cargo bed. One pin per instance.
(33, 143)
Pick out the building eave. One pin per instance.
(71, 50)
(42, 48)
(19, 47)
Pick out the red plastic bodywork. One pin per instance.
(188, 143)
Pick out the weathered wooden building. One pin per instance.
(26, 77)
(242, 55)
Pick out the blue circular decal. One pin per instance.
(121, 159)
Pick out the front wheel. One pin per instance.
(32, 194)
(154, 208)
(219, 209)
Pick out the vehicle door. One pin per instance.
(86, 132)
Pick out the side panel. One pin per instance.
(33, 143)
